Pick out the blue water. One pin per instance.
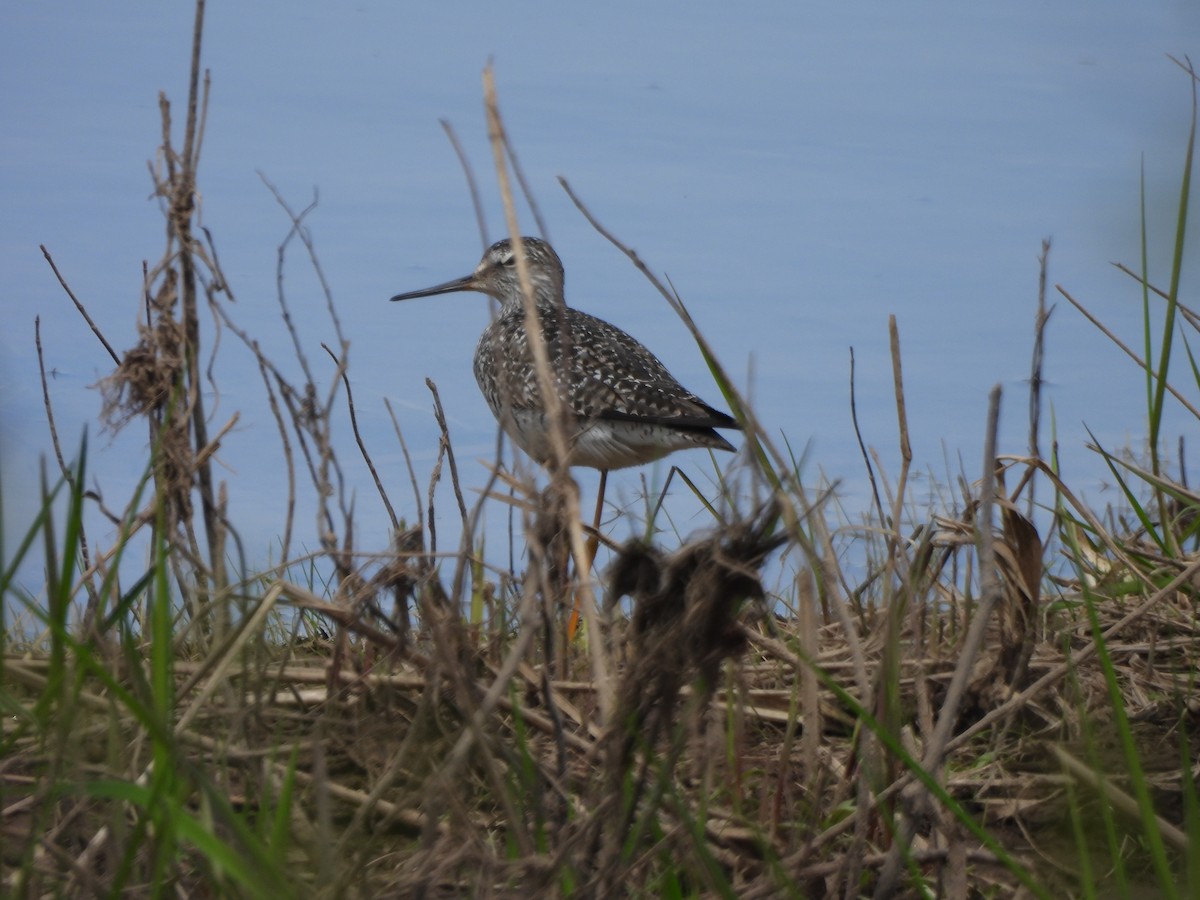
(799, 173)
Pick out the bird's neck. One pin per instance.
(544, 300)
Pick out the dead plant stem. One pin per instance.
(556, 413)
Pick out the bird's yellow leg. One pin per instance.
(593, 545)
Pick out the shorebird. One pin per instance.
(626, 408)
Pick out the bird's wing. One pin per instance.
(607, 374)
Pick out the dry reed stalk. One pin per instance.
(556, 412)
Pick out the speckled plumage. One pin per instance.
(628, 409)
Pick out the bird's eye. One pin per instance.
(509, 261)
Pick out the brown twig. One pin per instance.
(412, 475)
(289, 460)
(440, 415)
(80, 307)
(58, 454)
(362, 447)
(1108, 333)
(1039, 345)
(472, 185)
(1192, 317)
(862, 446)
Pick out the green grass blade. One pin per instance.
(1137, 776)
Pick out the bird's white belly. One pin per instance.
(599, 444)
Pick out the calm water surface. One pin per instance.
(800, 174)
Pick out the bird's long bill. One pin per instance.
(466, 283)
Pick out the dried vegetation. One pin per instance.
(972, 706)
